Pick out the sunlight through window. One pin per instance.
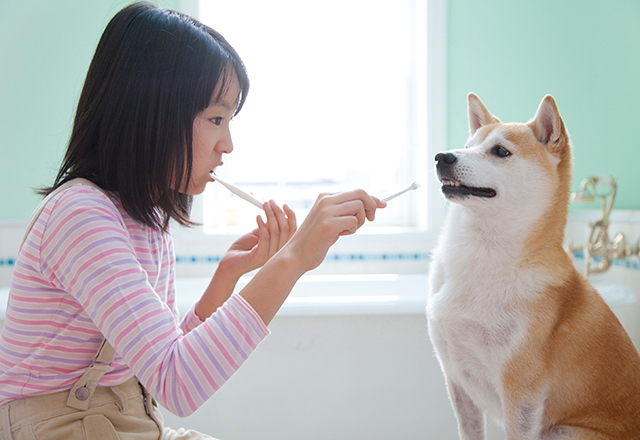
(337, 101)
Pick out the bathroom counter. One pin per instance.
(352, 295)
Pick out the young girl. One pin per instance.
(92, 334)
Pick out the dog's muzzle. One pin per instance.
(451, 187)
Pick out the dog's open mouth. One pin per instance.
(453, 188)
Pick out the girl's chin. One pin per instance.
(194, 191)
(195, 188)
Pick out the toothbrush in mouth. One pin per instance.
(414, 185)
(237, 191)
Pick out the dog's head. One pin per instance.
(511, 164)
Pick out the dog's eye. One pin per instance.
(500, 151)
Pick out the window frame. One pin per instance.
(370, 246)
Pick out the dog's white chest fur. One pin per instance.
(474, 321)
(474, 340)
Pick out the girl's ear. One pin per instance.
(478, 114)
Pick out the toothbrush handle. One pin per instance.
(237, 191)
(393, 196)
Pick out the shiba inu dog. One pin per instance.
(520, 334)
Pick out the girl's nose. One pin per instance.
(225, 145)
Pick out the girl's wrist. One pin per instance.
(271, 285)
(227, 273)
(219, 290)
(288, 259)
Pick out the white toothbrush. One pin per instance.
(237, 191)
(414, 185)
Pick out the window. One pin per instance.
(344, 94)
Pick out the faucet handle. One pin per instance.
(635, 249)
(618, 247)
(619, 241)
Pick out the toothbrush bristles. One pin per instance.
(414, 185)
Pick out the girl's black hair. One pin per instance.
(153, 72)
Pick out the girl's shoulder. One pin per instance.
(88, 203)
(82, 210)
(69, 216)
(81, 200)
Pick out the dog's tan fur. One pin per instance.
(564, 366)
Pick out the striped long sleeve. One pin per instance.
(87, 270)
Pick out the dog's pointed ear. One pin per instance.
(547, 125)
(478, 114)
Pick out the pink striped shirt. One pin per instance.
(87, 269)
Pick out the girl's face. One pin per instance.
(211, 136)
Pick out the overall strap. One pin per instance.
(83, 389)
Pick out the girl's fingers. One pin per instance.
(283, 226)
(348, 225)
(272, 226)
(370, 203)
(262, 249)
(291, 220)
(353, 208)
(371, 214)
(356, 208)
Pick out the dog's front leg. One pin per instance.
(470, 417)
(523, 418)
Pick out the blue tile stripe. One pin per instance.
(380, 257)
(7, 262)
(197, 259)
(630, 263)
(409, 256)
(208, 259)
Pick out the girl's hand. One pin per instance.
(332, 216)
(247, 253)
(254, 249)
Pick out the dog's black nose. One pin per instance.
(446, 158)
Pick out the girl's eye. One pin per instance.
(217, 120)
(500, 151)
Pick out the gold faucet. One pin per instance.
(599, 252)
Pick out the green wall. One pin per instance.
(586, 53)
(45, 50)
